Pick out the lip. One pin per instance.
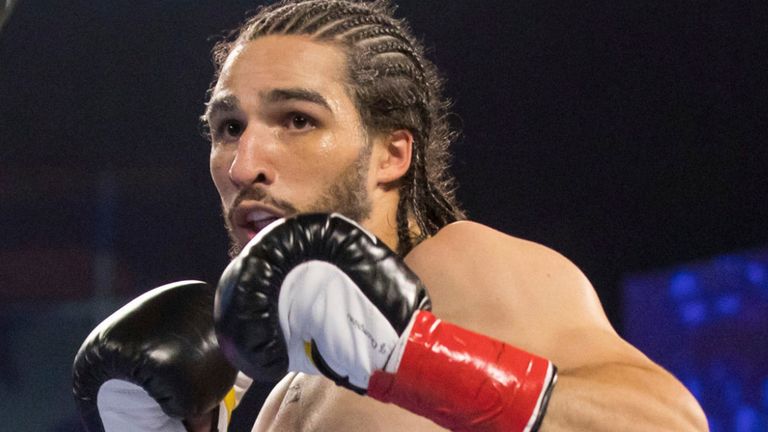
(250, 217)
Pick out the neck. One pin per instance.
(382, 221)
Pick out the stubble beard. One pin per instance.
(347, 195)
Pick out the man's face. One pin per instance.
(286, 137)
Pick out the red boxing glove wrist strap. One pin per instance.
(465, 381)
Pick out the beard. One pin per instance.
(347, 195)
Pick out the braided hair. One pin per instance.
(393, 87)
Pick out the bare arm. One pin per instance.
(610, 386)
(626, 397)
(535, 299)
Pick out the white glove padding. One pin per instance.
(320, 304)
(126, 407)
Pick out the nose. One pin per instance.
(252, 163)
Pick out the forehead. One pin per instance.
(283, 62)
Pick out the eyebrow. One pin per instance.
(301, 94)
(227, 103)
(231, 103)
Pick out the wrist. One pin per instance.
(466, 381)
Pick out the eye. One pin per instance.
(229, 129)
(300, 122)
(233, 128)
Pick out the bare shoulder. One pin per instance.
(476, 260)
(516, 290)
(472, 241)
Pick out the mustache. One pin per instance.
(262, 196)
(255, 194)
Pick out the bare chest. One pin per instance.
(313, 403)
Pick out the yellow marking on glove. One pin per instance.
(229, 403)
(308, 352)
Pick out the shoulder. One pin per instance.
(478, 250)
(509, 288)
(470, 239)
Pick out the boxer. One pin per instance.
(331, 107)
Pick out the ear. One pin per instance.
(394, 157)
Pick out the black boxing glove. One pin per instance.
(153, 363)
(318, 294)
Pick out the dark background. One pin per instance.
(627, 135)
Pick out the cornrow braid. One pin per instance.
(339, 17)
(285, 23)
(341, 27)
(359, 33)
(393, 87)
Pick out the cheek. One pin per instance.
(316, 172)
(326, 147)
(219, 168)
(313, 161)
